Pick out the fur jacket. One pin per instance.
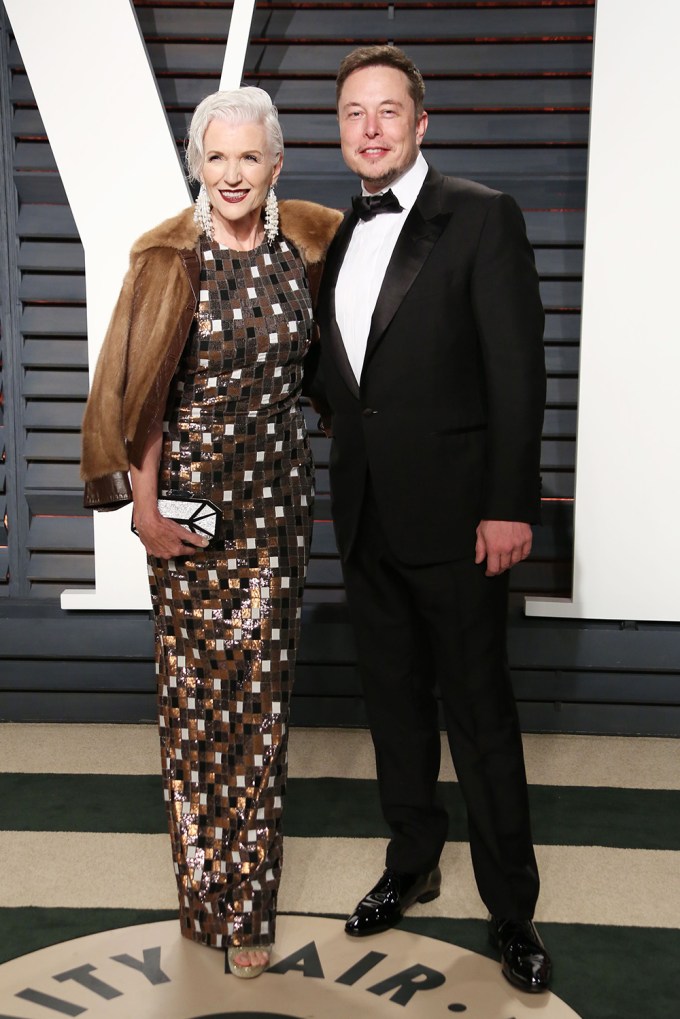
(147, 334)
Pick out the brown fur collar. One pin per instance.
(310, 227)
(147, 333)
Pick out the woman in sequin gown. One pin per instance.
(227, 615)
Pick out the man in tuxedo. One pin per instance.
(432, 375)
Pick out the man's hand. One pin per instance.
(502, 543)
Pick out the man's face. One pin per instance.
(379, 131)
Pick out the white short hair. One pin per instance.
(246, 105)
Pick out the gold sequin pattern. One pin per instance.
(227, 618)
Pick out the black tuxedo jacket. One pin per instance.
(447, 416)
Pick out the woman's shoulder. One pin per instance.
(178, 232)
(310, 227)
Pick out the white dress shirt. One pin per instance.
(365, 264)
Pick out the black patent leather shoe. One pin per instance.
(385, 904)
(524, 960)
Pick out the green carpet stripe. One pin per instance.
(97, 803)
(561, 815)
(601, 972)
(328, 807)
(31, 928)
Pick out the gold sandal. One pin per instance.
(247, 972)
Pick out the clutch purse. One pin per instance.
(199, 516)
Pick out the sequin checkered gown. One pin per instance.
(227, 618)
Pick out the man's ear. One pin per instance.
(421, 127)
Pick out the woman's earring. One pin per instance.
(203, 213)
(271, 216)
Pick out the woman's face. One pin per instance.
(237, 169)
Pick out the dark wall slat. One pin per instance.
(56, 503)
(336, 187)
(319, 24)
(53, 476)
(53, 445)
(441, 58)
(562, 328)
(564, 262)
(443, 128)
(55, 353)
(65, 384)
(556, 227)
(38, 320)
(60, 567)
(48, 221)
(50, 413)
(89, 676)
(39, 188)
(437, 58)
(45, 255)
(52, 534)
(525, 161)
(61, 288)
(474, 92)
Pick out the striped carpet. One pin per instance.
(84, 846)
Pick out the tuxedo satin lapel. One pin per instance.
(334, 258)
(423, 227)
(336, 251)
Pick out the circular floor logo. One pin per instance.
(151, 972)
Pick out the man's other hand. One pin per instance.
(503, 543)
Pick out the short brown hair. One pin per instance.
(383, 56)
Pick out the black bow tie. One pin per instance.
(368, 206)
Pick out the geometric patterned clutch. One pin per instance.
(198, 515)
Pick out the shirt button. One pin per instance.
(368, 412)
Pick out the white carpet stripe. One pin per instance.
(42, 747)
(590, 885)
(615, 761)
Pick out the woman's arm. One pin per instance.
(161, 537)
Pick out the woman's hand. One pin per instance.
(161, 537)
(164, 538)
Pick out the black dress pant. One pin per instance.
(420, 628)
